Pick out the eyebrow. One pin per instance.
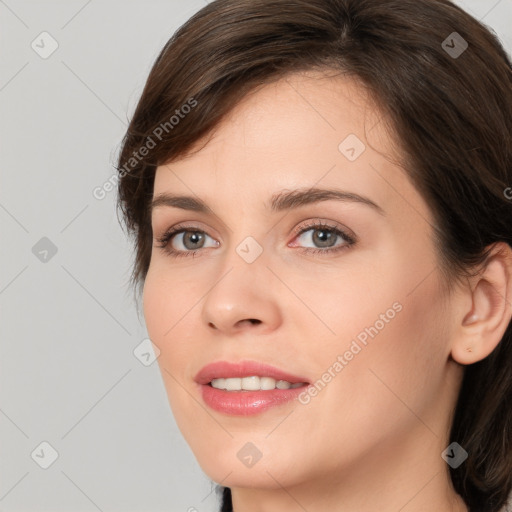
(285, 200)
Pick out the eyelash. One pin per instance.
(163, 241)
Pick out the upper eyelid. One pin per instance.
(308, 224)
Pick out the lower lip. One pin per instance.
(246, 403)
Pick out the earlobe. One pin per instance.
(485, 323)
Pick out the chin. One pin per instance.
(260, 476)
(246, 460)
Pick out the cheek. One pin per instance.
(393, 376)
(393, 344)
(167, 313)
(167, 300)
(156, 307)
(170, 307)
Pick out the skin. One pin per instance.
(372, 438)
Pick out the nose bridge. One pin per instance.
(241, 291)
(246, 240)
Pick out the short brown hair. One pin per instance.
(452, 114)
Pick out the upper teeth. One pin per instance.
(253, 383)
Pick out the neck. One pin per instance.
(406, 477)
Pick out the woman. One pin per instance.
(317, 191)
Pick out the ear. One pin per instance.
(485, 308)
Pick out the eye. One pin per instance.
(183, 241)
(324, 237)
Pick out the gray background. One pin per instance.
(69, 326)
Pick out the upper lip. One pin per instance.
(225, 370)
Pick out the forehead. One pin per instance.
(303, 110)
(292, 133)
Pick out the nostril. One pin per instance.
(253, 321)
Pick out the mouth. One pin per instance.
(253, 383)
(247, 388)
(247, 375)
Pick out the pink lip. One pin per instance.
(225, 370)
(245, 403)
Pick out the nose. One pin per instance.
(243, 298)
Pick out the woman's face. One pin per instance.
(365, 324)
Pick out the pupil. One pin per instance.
(326, 235)
(192, 237)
